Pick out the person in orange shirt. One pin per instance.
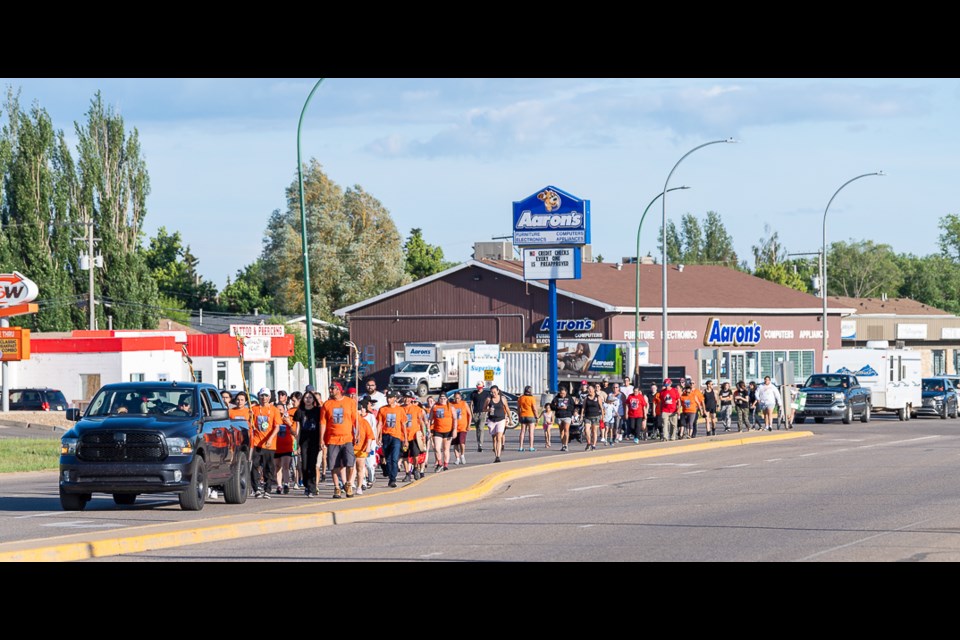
(361, 442)
(443, 425)
(392, 420)
(463, 417)
(286, 440)
(338, 426)
(416, 421)
(527, 408)
(655, 413)
(691, 401)
(266, 427)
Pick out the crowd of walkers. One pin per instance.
(298, 439)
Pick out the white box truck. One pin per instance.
(892, 375)
(431, 366)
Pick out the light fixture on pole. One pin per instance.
(663, 230)
(303, 238)
(823, 283)
(636, 333)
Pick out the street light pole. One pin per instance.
(823, 283)
(636, 332)
(303, 238)
(663, 230)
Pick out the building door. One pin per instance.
(738, 366)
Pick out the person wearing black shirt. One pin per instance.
(564, 407)
(479, 415)
(307, 418)
(742, 399)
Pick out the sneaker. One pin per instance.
(417, 474)
(479, 449)
(258, 493)
(636, 441)
(446, 468)
(593, 447)
(211, 494)
(620, 437)
(437, 468)
(349, 490)
(406, 478)
(279, 490)
(360, 491)
(266, 495)
(587, 448)
(307, 494)
(463, 459)
(769, 429)
(286, 489)
(563, 448)
(497, 459)
(392, 484)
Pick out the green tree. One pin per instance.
(768, 250)
(248, 292)
(950, 236)
(932, 280)
(35, 213)
(862, 269)
(717, 242)
(422, 258)
(674, 245)
(110, 189)
(781, 273)
(174, 269)
(691, 236)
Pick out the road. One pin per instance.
(879, 492)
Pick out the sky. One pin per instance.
(451, 155)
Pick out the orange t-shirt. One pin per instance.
(656, 404)
(461, 414)
(361, 446)
(287, 433)
(688, 401)
(392, 420)
(415, 420)
(337, 420)
(527, 406)
(266, 426)
(442, 418)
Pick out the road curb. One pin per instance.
(233, 527)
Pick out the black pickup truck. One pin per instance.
(154, 437)
(834, 395)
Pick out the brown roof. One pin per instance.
(697, 286)
(890, 306)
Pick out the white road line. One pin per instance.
(593, 486)
(734, 466)
(40, 515)
(807, 455)
(883, 444)
(651, 477)
(669, 464)
(529, 495)
(850, 544)
(431, 555)
(85, 524)
(585, 526)
(774, 460)
(844, 440)
(690, 473)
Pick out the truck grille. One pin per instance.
(121, 446)
(820, 399)
(403, 380)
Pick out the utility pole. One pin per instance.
(93, 310)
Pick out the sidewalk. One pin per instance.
(449, 488)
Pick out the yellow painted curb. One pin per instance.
(284, 524)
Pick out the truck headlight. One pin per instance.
(838, 395)
(179, 446)
(68, 446)
(939, 398)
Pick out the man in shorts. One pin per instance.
(338, 423)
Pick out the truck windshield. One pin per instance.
(143, 401)
(827, 381)
(415, 367)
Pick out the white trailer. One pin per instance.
(892, 375)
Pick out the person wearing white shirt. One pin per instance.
(768, 397)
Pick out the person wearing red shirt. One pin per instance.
(637, 415)
(338, 427)
(263, 440)
(669, 409)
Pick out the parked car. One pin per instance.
(37, 400)
(834, 395)
(939, 398)
(154, 437)
(511, 402)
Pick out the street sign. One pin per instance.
(560, 263)
(488, 375)
(14, 344)
(16, 289)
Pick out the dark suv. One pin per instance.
(939, 398)
(37, 400)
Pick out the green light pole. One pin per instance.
(636, 331)
(303, 236)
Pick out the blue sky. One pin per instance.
(451, 155)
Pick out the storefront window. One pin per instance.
(939, 361)
(956, 361)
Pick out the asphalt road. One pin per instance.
(879, 492)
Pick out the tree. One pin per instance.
(110, 188)
(421, 258)
(674, 246)
(950, 236)
(717, 243)
(768, 250)
(174, 269)
(692, 240)
(782, 273)
(709, 244)
(933, 280)
(862, 269)
(248, 292)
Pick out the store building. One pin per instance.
(904, 322)
(753, 322)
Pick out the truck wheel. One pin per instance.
(124, 499)
(902, 414)
(73, 501)
(235, 491)
(196, 494)
(848, 415)
(865, 416)
(422, 389)
(818, 419)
